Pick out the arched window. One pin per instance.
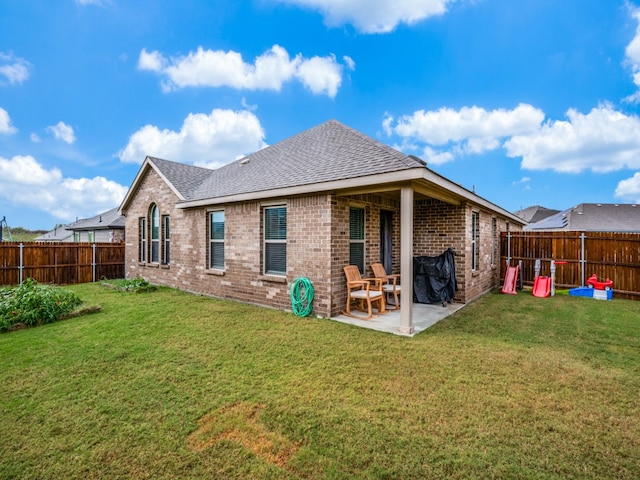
(155, 234)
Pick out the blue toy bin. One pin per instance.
(591, 293)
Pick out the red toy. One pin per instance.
(592, 282)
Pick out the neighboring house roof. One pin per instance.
(594, 217)
(110, 219)
(535, 213)
(328, 157)
(59, 234)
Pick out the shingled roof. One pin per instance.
(185, 179)
(327, 157)
(535, 213)
(593, 217)
(331, 151)
(102, 221)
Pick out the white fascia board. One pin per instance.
(459, 190)
(136, 181)
(370, 181)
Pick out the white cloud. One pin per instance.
(629, 189)
(14, 69)
(632, 55)
(374, 16)
(320, 75)
(35, 138)
(152, 61)
(217, 68)
(63, 132)
(470, 130)
(434, 157)
(27, 183)
(603, 140)
(522, 180)
(349, 62)
(5, 123)
(204, 140)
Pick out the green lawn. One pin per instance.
(166, 384)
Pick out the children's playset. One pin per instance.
(544, 286)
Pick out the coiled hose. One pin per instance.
(302, 296)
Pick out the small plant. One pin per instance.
(31, 304)
(130, 284)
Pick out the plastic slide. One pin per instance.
(510, 281)
(542, 287)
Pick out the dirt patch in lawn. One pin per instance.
(240, 423)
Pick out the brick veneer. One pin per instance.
(317, 245)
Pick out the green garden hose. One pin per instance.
(301, 296)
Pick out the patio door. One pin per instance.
(386, 240)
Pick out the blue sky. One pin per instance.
(534, 102)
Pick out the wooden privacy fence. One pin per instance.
(60, 263)
(606, 254)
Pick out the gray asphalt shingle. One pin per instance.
(594, 217)
(328, 152)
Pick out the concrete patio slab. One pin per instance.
(424, 316)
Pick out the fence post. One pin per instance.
(582, 260)
(21, 262)
(93, 263)
(508, 249)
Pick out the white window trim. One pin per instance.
(475, 241)
(166, 239)
(142, 241)
(268, 206)
(217, 240)
(153, 241)
(364, 233)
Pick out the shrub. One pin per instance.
(33, 304)
(137, 285)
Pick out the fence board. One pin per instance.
(606, 254)
(60, 263)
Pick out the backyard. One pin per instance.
(165, 384)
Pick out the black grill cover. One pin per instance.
(434, 278)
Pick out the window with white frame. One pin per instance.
(275, 240)
(475, 241)
(155, 234)
(91, 237)
(142, 236)
(494, 241)
(356, 238)
(216, 240)
(166, 239)
(76, 237)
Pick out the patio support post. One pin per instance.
(406, 260)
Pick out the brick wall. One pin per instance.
(308, 248)
(372, 205)
(439, 225)
(317, 245)
(487, 276)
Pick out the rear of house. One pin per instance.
(306, 207)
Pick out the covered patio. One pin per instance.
(424, 316)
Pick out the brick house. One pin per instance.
(306, 207)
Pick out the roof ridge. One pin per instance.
(409, 160)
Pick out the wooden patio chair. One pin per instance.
(364, 291)
(389, 285)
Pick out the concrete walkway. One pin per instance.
(423, 317)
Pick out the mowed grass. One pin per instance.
(171, 385)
